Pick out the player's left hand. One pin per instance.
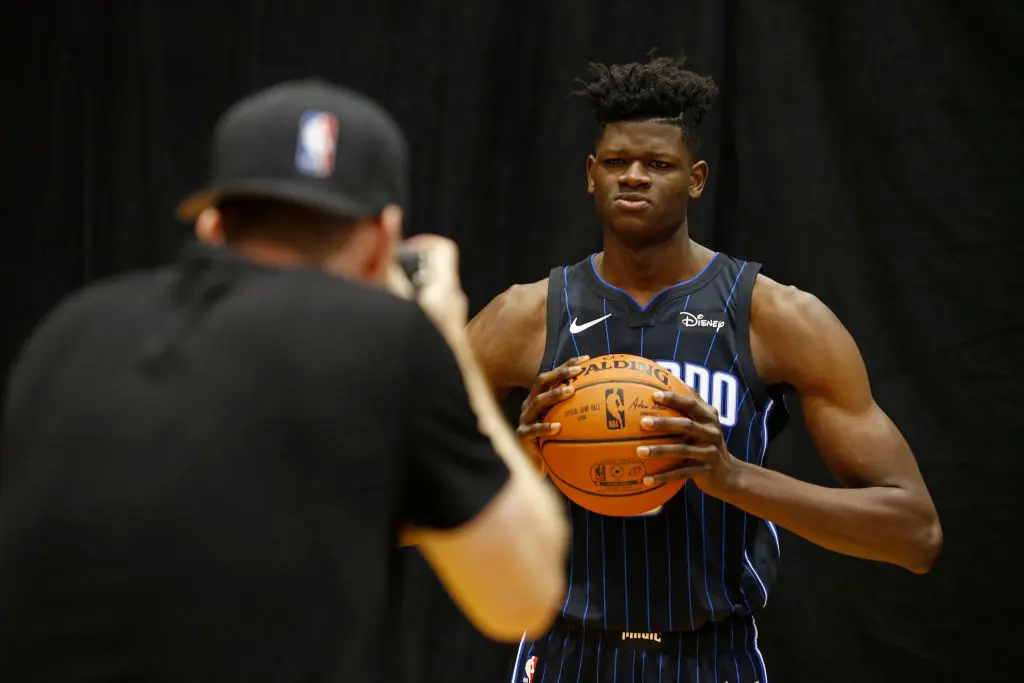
(701, 450)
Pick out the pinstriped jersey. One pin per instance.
(697, 560)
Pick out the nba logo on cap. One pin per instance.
(318, 140)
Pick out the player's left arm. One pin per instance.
(884, 511)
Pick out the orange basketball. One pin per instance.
(592, 459)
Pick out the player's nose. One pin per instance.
(635, 175)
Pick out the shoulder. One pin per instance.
(508, 335)
(317, 298)
(775, 305)
(338, 317)
(786, 325)
(103, 299)
(104, 306)
(519, 304)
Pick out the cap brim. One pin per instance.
(283, 190)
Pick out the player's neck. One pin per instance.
(648, 270)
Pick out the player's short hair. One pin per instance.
(659, 89)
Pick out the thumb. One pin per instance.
(398, 284)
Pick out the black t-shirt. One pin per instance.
(205, 469)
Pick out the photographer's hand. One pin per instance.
(440, 290)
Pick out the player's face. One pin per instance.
(642, 177)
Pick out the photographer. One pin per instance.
(207, 468)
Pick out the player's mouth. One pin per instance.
(632, 202)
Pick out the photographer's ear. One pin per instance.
(389, 236)
(391, 219)
(209, 228)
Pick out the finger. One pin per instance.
(675, 475)
(533, 409)
(538, 429)
(398, 284)
(442, 249)
(427, 241)
(681, 451)
(553, 396)
(682, 425)
(563, 373)
(694, 405)
(440, 265)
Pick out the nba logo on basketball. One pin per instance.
(530, 668)
(615, 408)
(318, 139)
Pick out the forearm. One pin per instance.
(506, 443)
(881, 523)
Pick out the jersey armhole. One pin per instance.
(744, 293)
(556, 286)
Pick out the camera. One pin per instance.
(412, 263)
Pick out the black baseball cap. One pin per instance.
(309, 143)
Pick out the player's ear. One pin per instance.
(209, 228)
(698, 177)
(591, 160)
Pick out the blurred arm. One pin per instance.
(493, 531)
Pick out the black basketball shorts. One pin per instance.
(717, 653)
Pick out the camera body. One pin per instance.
(412, 262)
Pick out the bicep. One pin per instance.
(508, 335)
(484, 332)
(861, 446)
(858, 442)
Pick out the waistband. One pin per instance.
(733, 633)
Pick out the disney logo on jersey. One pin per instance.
(702, 321)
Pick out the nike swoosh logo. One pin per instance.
(575, 328)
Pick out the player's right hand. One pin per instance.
(550, 388)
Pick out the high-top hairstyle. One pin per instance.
(659, 89)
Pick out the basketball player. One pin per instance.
(672, 596)
(206, 467)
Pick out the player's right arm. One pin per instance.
(507, 339)
(495, 534)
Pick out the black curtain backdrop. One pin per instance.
(868, 151)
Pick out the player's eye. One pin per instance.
(614, 162)
(661, 165)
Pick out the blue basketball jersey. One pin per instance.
(698, 560)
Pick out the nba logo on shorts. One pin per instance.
(318, 139)
(530, 668)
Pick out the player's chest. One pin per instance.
(696, 343)
(688, 322)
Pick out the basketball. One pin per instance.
(592, 459)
